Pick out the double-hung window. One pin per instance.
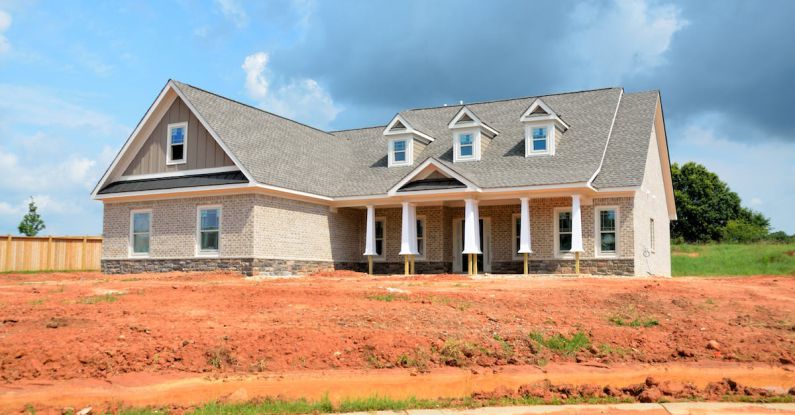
(400, 152)
(466, 146)
(540, 143)
(421, 237)
(177, 143)
(606, 222)
(379, 238)
(140, 232)
(564, 231)
(209, 230)
(517, 234)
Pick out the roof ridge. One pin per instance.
(253, 107)
(513, 99)
(354, 129)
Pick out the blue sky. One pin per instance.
(75, 77)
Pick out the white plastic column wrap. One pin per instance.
(406, 231)
(471, 228)
(524, 230)
(369, 243)
(576, 225)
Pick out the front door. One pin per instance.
(461, 263)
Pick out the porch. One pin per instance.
(493, 236)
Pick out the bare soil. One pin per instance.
(79, 326)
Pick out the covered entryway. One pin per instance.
(484, 259)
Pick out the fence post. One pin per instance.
(83, 254)
(8, 254)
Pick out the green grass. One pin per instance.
(561, 344)
(732, 259)
(636, 322)
(95, 299)
(387, 297)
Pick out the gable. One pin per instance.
(202, 151)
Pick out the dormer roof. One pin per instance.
(399, 126)
(466, 118)
(540, 111)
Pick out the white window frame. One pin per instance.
(184, 159)
(528, 139)
(515, 236)
(423, 219)
(598, 232)
(652, 242)
(475, 145)
(131, 247)
(208, 253)
(556, 241)
(381, 255)
(409, 151)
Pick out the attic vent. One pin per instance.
(464, 119)
(539, 111)
(398, 126)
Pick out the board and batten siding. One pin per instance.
(202, 150)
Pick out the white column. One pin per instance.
(471, 234)
(413, 229)
(524, 236)
(576, 225)
(405, 234)
(369, 243)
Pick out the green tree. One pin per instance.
(741, 231)
(32, 223)
(705, 205)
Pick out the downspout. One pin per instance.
(607, 143)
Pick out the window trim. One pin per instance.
(381, 255)
(131, 249)
(424, 255)
(556, 235)
(199, 251)
(528, 139)
(515, 236)
(598, 232)
(476, 136)
(409, 151)
(184, 159)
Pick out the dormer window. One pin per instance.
(541, 127)
(400, 152)
(471, 136)
(177, 142)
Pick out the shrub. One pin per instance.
(740, 231)
(562, 344)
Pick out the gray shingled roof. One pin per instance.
(160, 183)
(284, 153)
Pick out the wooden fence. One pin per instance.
(44, 253)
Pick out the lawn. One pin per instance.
(733, 259)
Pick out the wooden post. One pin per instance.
(525, 263)
(469, 264)
(83, 255)
(577, 263)
(412, 265)
(49, 254)
(8, 254)
(370, 264)
(405, 264)
(475, 263)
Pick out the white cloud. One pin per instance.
(622, 38)
(5, 23)
(233, 11)
(7, 209)
(301, 99)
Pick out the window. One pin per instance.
(400, 152)
(209, 229)
(539, 139)
(421, 237)
(517, 235)
(379, 237)
(466, 146)
(177, 140)
(651, 234)
(564, 231)
(140, 231)
(606, 236)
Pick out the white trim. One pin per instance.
(180, 173)
(169, 160)
(476, 136)
(556, 234)
(514, 236)
(423, 219)
(208, 253)
(528, 139)
(476, 122)
(598, 232)
(130, 248)
(381, 255)
(607, 143)
(550, 116)
(409, 150)
(408, 130)
(444, 169)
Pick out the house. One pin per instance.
(569, 180)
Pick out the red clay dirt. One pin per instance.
(79, 326)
